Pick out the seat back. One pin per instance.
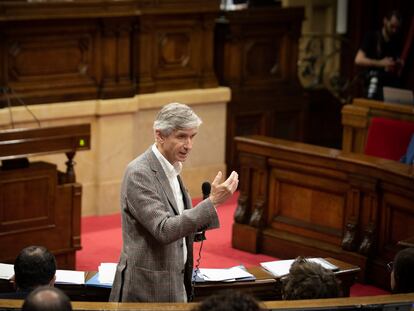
(388, 138)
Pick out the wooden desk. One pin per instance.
(303, 200)
(370, 303)
(265, 287)
(48, 209)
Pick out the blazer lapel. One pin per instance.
(162, 179)
(185, 194)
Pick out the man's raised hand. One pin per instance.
(220, 192)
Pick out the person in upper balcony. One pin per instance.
(380, 54)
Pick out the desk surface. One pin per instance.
(265, 287)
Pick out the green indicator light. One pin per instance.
(81, 142)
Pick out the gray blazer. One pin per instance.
(151, 267)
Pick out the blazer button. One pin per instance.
(182, 271)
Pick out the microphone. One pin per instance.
(205, 189)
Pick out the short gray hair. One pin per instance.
(176, 116)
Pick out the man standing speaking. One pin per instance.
(158, 221)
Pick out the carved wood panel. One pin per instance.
(26, 199)
(175, 52)
(323, 202)
(74, 50)
(47, 60)
(262, 59)
(256, 55)
(36, 210)
(311, 206)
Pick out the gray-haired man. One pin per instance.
(158, 221)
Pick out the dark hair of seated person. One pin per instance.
(46, 298)
(403, 271)
(33, 267)
(229, 301)
(309, 280)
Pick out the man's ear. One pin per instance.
(158, 136)
(52, 281)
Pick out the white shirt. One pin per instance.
(172, 171)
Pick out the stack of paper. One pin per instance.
(6, 271)
(70, 277)
(280, 268)
(233, 274)
(105, 276)
(107, 272)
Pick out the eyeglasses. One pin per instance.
(390, 266)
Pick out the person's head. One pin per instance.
(309, 280)
(175, 127)
(391, 24)
(402, 274)
(46, 298)
(229, 301)
(33, 267)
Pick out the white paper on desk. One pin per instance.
(107, 272)
(281, 267)
(215, 275)
(70, 277)
(6, 271)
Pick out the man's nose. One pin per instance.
(189, 143)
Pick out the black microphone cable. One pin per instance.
(195, 272)
(199, 237)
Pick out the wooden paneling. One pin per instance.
(68, 60)
(74, 50)
(298, 199)
(31, 194)
(36, 210)
(176, 52)
(38, 204)
(256, 56)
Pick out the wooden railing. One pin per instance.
(403, 301)
(297, 199)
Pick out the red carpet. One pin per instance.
(102, 242)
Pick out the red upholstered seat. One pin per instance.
(388, 138)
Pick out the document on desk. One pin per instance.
(281, 268)
(232, 274)
(107, 272)
(6, 271)
(105, 276)
(70, 277)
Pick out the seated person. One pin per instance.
(229, 301)
(402, 274)
(46, 298)
(34, 266)
(309, 280)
